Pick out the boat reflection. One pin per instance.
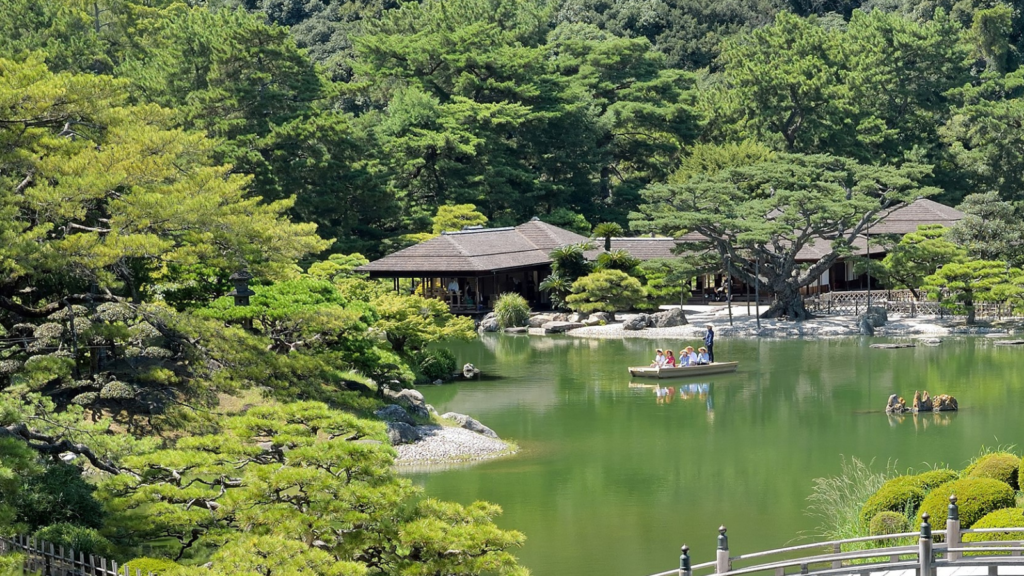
(685, 392)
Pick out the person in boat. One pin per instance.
(691, 356)
(659, 359)
(670, 359)
(702, 356)
(709, 342)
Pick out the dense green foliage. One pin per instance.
(605, 290)
(976, 497)
(1004, 518)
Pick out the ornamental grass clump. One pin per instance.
(1001, 466)
(837, 500)
(511, 310)
(976, 497)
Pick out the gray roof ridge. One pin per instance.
(476, 231)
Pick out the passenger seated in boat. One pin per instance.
(702, 356)
(670, 359)
(659, 359)
(691, 356)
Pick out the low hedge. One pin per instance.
(893, 496)
(1004, 518)
(1001, 466)
(887, 522)
(976, 497)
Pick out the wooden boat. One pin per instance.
(682, 371)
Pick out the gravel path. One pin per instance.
(450, 444)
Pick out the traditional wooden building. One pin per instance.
(471, 267)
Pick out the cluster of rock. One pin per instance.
(922, 403)
(666, 319)
(548, 323)
(402, 427)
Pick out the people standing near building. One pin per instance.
(709, 342)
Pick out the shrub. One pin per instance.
(1004, 518)
(888, 522)
(78, 538)
(437, 364)
(511, 309)
(59, 494)
(605, 291)
(1001, 466)
(976, 497)
(893, 496)
(157, 566)
(934, 478)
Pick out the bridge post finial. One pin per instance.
(953, 529)
(684, 562)
(924, 551)
(722, 564)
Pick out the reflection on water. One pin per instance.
(612, 478)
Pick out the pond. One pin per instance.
(612, 481)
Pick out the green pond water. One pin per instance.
(610, 481)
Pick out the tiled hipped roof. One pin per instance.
(478, 251)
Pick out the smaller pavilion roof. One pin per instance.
(905, 218)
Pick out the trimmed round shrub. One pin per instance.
(893, 496)
(1001, 466)
(156, 566)
(78, 538)
(934, 478)
(511, 310)
(976, 497)
(1005, 518)
(887, 522)
(437, 364)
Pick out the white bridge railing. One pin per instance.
(924, 558)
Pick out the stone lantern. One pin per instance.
(241, 292)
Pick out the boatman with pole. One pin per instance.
(709, 343)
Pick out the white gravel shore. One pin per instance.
(443, 444)
(744, 326)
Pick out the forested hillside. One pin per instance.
(152, 149)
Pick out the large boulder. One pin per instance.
(578, 317)
(402, 433)
(412, 400)
(539, 320)
(601, 317)
(394, 413)
(559, 327)
(638, 322)
(864, 326)
(489, 324)
(669, 318)
(470, 423)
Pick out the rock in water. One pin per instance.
(944, 403)
(470, 371)
(922, 402)
(470, 423)
(488, 325)
(638, 322)
(669, 318)
(878, 315)
(394, 413)
(402, 433)
(896, 405)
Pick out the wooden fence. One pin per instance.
(45, 559)
(899, 301)
(892, 554)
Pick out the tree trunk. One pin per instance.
(789, 303)
(969, 305)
